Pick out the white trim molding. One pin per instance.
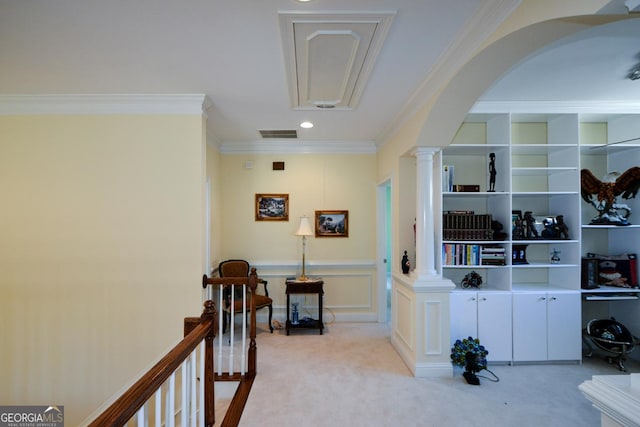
(556, 107)
(299, 147)
(71, 104)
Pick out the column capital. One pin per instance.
(425, 151)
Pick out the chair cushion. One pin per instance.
(261, 301)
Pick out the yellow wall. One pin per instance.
(101, 254)
(215, 199)
(313, 182)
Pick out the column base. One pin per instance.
(420, 325)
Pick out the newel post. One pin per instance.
(209, 315)
(253, 286)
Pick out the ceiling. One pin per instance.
(270, 64)
(593, 65)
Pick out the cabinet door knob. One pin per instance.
(553, 298)
(473, 298)
(484, 298)
(542, 298)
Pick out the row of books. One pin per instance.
(448, 185)
(460, 225)
(470, 254)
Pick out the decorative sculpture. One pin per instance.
(555, 228)
(471, 280)
(529, 225)
(492, 172)
(405, 263)
(602, 194)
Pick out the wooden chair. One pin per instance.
(240, 268)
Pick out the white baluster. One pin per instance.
(221, 312)
(232, 330)
(171, 402)
(140, 416)
(244, 328)
(193, 378)
(202, 371)
(158, 411)
(184, 388)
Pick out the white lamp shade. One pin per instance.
(305, 227)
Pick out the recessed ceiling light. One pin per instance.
(306, 125)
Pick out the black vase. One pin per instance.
(405, 263)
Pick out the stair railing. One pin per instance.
(180, 388)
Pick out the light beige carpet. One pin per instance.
(352, 376)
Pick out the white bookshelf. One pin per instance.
(538, 161)
(600, 153)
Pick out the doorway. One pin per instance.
(384, 251)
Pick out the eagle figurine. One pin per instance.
(602, 194)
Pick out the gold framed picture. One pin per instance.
(332, 223)
(272, 207)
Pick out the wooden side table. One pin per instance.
(313, 286)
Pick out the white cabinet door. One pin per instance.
(529, 326)
(494, 325)
(464, 315)
(563, 322)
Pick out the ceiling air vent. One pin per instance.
(279, 134)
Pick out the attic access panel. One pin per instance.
(329, 57)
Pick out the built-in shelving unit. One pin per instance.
(538, 158)
(602, 152)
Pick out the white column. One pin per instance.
(425, 215)
(421, 330)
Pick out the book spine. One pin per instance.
(465, 188)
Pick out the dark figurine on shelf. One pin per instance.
(471, 280)
(555, 228)
(518, 229)
(549, 231)
(561, 227)
(530, 225)
(497, 227)
(492, 172)
(563, 230)
(405, 263)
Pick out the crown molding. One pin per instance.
(179, 104)
(556, 107)
(298, 147)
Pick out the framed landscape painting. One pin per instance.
(272, 207)
(332, 223)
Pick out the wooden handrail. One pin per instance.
(126, 406)
(234, 411)
(251, 281)
(196, 329)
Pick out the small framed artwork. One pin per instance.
(332, 223)
(272, 207)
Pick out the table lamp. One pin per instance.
(304, 230)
